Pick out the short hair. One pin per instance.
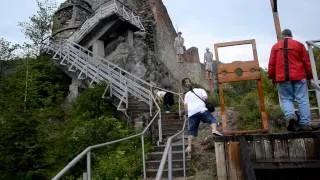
(286, 33)
(186, 82)
(179, 32)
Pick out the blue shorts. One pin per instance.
(195, 119)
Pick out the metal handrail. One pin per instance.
(167, 154)
(88, 150)
(91, 65)
(315, 82)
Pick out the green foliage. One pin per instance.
(244, 97)
(22, 137)
(38, 28)
(7, 50)
(38, 138)
(249, 116)
(91, 122)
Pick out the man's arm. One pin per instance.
(306, 62)
(186, 109)
(272, 64)
(204, 95)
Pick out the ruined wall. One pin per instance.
(165, 34)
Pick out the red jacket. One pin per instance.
(298, 62)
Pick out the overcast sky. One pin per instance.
(205, 22)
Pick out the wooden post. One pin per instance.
(246, 165)
(234, 160)
(274, 6)
(221, 161)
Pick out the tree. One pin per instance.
(7, 50)
(38, 28)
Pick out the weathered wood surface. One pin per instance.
(258, 149)
(240, 71)
(297, 149)
(235, 170)
(245, 156)
(266, 152)
(221, 160)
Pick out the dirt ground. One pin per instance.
(203, 159)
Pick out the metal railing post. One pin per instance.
(160, 127)
(170, 162)
(179, 105)
(184, 156)
(314, 73)
(143, 158)
(89, 165)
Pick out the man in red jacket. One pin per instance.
(289, 67)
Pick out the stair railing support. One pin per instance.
(143, 158)
(167, 154)
(89, 165)
(170, 162)
(184, 155)
(311, 46)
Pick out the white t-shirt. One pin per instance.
(161, 94)
(194, 103)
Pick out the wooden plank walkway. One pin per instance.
(263, 156)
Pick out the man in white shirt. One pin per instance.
(197, 111)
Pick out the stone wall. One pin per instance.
(165, 35)
(69, 17)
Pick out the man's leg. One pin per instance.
(286, 94)
(194, 122)
(207, 117)
(190, 138)
(302, 97)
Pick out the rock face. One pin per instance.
(149, 55)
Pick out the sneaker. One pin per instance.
(216, 133)
(303, 127)
(188, 150)
(292, 125)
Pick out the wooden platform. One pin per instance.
(268, 156)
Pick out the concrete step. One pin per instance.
(175, 147)
(158, 155)
(177, 126)
(166, 120)
(176, 172)
(178, 163)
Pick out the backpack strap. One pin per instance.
(286, 59)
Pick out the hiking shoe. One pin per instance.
(292, 125)
(216, 133)
(303, 127)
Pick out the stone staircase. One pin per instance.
(171, 124)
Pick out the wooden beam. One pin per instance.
(247, 169)
(276, 19)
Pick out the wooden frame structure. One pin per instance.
(240, 71)
(283, 156)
